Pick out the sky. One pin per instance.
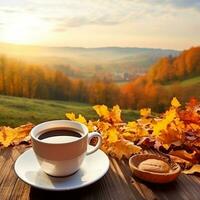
(171, 24)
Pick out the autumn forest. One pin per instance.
(154, 89)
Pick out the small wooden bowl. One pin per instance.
(153, 177)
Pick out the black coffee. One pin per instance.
(60, 135)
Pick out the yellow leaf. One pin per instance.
(7, 135)
(70, 116)
(22, 132)
(145, 112)
(101, 110)
(193, 169)
(10, 136)
(124, 148)
(161, 125)
(175, 103)
(132, 125)
(81, 119)
(112, 135)
(115, 114)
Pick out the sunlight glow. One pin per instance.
(22, 30)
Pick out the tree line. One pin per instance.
(186, 65)
(34, 81)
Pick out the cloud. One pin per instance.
(195, 4)
(69, 13)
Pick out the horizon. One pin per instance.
(169, 24)
(139, 47)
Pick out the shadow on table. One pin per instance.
(82, 193)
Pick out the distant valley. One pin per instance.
(116, 63)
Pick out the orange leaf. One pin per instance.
(184, 155)
(193, 169)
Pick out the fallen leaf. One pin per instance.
(9, 136)
(123, 148)
(193, 169)
(191, 157)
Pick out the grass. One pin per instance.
(191, 81)
(187, 82)
(15, 111)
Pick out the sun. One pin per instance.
(22, 30)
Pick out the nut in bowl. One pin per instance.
(153, 168)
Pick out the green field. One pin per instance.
(187, 82)
(15, 111)
(191, 81)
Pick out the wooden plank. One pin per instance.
(20, 191)
(118, 183)
(141, 188)
(8, 177)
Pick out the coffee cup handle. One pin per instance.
(96, 147)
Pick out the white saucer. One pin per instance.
(93, 168)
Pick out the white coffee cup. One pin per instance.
(65, 158)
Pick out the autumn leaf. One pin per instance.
(123, 148)
(9, 136)
(115, 114)
(184, 164)
(70, 116)
(113, 135)
(102, 111)
(112, 116)
(22, 133)
(174, 128)
(162, 125)
(175, 103)
(193, 169)
(80, 118)
(145, 112)
(191, 157)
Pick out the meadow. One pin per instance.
(15, 111)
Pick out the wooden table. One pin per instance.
(117, 184)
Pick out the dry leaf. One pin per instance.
(191, 157)
(9, 136)
(184, 164)
(193, 169)
(123, 148)
(178, 127)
